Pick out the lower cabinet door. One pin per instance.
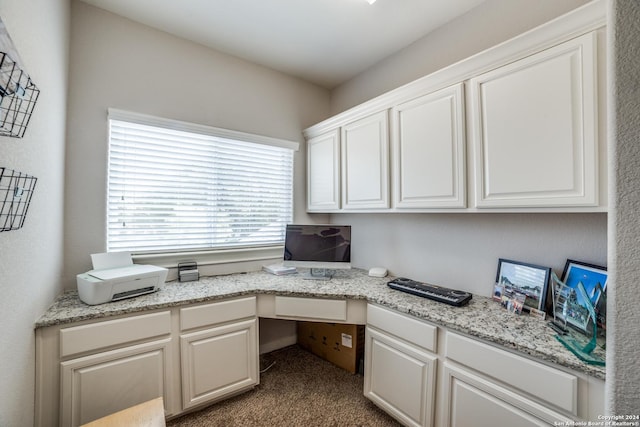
(101, 384)
(399, 378)
(219, 362)
(472, 401)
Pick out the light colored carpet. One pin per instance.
(300, 389)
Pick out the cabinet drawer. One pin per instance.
(472, 400)
(311, 308)
(109, 333)
(551, 385)
(218, 312)
(405, 327)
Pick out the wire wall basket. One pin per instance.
(18, 96)
(16, 190)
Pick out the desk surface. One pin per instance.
(147, 414)
(482, 317)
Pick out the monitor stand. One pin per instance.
(318, 274)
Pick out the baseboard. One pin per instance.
(277, 344)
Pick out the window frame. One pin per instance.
(203, 256)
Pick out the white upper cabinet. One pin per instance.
(365, 163)
(534, 129)
(428, 146)
(323, 172)
(520, 127)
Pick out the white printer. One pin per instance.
(115, 277)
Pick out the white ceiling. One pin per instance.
(326, 42)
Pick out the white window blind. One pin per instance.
(171, 190)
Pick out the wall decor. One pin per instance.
(18, 93)
(515, 278)
(16, 190)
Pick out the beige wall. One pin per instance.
(118, 63)
(31, 257)
(487, 25)
(461, 250)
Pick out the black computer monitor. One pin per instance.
(320, 248)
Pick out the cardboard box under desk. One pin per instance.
(340, 344)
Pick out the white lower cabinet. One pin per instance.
(218, 350)
(474, 401)
(103, 383)
(218, 362)
(400, 375)
(399, 378)
(87, 370)
(424, 375)
(483, 385)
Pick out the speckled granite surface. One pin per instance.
(482, 317)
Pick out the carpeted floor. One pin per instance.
(300, 389)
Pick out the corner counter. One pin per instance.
(482, 318)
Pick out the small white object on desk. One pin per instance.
(378, 272)
(279, 269)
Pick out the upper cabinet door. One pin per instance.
(323, 172)
(428, 142)
(534, 129)
(365, 163)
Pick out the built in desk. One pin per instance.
(346, 298)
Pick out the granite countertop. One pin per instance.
(482, 317)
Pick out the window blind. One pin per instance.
(173, 190)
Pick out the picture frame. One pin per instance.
(594, 278)
(530, 280)
(509, 298)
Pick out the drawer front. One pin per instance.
(217, 312)
(405, 327)
(109, 333)
(551, 385)
(471, 400)
(311, 308)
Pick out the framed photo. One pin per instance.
(522, 278)
(515, 303)
(498, 290)
(594, 279)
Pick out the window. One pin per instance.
(174, 186)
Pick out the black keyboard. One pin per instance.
(436, 293)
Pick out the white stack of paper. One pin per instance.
(279, 269)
